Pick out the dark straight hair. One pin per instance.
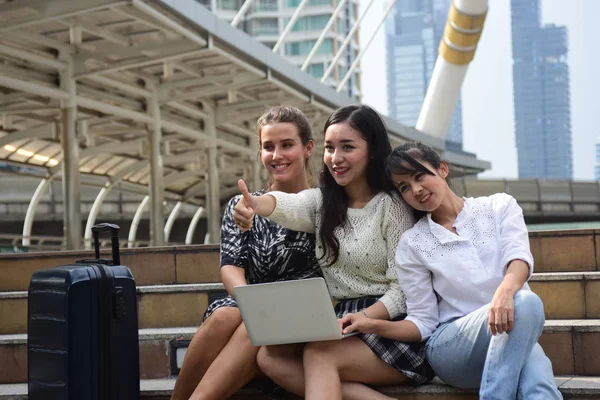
(334, 210)
(408, 158)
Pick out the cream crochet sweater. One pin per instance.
(368, 242)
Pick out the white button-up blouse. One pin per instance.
(446, 275)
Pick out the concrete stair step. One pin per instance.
(150, 265)
(159, 306)
(572, 388)
(566, 295)
(571, 345)
(566, 250)
(151, 389)
(552, 251)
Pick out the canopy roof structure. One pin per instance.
(148, 96)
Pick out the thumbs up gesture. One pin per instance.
(244, 210)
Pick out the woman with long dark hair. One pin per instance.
(464, 267)
(358, 218)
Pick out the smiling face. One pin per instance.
(422, 191)
(346, 154)
(282, 152)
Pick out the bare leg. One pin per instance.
(359, 391)
(283, 364)
(233, 368)
(204, 347)
(326, 364)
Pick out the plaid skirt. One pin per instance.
(408, 358)
(226, 301)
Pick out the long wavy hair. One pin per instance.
(293, 115)
(334, 210)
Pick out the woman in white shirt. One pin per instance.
(358, 220)
(464, 268)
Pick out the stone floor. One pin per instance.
(573, 388)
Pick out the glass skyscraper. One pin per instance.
(541, 94)
(413, 34)
(597, 166)
(266, 20)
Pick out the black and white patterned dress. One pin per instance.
(267, 252)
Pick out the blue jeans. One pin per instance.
(508, 366)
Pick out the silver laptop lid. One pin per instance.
(288, 312)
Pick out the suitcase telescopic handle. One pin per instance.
(114, 240)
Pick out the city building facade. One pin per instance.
(413, 34)
(597, 166)
(265, 21)
(541, 94)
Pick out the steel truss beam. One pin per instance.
(30, 214)
(346, 42)
(193, 223)
(49, 11)
(135, 222)
(171, 220)
(33, 88)
(142, 63)
(32, 57)
(38, 132)
(364, 49)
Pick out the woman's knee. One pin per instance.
(264, 359)
(529, 307)
(271, 359)
(321, 351)
(222, 321)
(241, 336)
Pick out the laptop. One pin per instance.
(288, 312)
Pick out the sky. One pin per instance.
(488, 115)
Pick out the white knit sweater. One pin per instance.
(368, 242)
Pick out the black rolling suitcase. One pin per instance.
(83, 330)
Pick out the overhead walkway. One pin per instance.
(152, 97)
(543, 202)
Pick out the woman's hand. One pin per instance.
(244, 210)
(501, 316)
(357, 322)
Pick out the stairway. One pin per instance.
(175, 284)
